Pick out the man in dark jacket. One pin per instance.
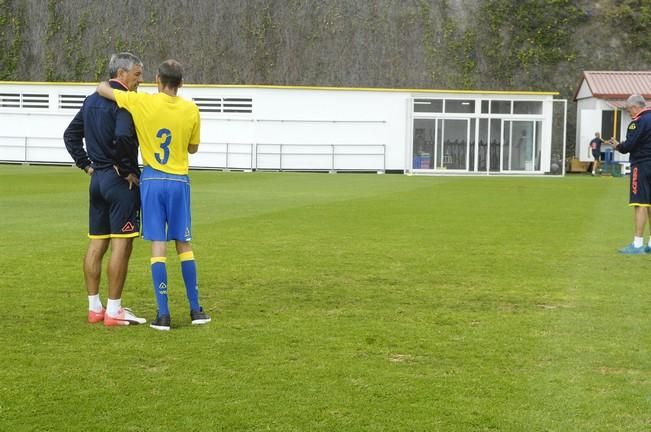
(638, 145)
(110, 158)
(595, 150)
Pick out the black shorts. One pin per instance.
(640, 184)
(114, 210)
(596, 155)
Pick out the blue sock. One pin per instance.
(159, 277)
(189, 270)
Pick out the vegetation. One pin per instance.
(531, 45)
(498, 44)
(340, 302)
(11, 39)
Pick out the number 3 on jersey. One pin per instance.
(165, 145)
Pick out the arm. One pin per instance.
(632, 137)
(195, 138)
(104, 89)
(126, 153)
(126, 143)
(73, 137)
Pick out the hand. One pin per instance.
(89, 170)
(133, 180)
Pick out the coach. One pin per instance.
(111, 161)
(638, 144)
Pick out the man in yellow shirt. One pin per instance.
(168, 129)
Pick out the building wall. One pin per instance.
(589, 117)
(253, 127)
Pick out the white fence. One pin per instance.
(233, 156)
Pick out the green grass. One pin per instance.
(340, 303)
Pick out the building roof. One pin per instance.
(306, 87)
(616, 85)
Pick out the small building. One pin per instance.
(600, 96)
(416, 131)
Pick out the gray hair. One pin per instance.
(635, 100)
(123, 60)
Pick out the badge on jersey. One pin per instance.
(632, 126)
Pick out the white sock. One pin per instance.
(649, 241)
(94, 303)
(638, 242)
(113, 306)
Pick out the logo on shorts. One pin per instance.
(187, 233)
(634, 181)
(128, 227)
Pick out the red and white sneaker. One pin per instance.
(95, 317)
(123, 318)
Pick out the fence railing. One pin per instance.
(238, 156)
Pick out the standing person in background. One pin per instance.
(638, 144)
(111, 161)
(168, 129)
(595, 148)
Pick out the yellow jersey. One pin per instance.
(165, 126)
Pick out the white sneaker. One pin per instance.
(124, 317)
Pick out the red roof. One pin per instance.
(616, 84)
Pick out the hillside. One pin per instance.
(455, 44)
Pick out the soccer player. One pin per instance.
(111, 161)
(595, 149)
(638, 144)
(168, 129)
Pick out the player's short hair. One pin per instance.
(170, 73)
(123, 60)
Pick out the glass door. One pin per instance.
(519, 145)
(495, 145)
(423, 145)
(452, 144)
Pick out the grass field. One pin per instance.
(339, 303)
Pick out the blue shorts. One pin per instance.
(165, 206)
(114, 210)
(640, 193)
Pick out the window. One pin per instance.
(224, 105)
(500, 107)
(24, 100)
(36, 100)
(459, 106)
(209, 104)
(527, 107)
(428, 105)
(71, 101)
(10, 100)
(238, 105)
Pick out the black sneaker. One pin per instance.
(199, 317)
(162, 322)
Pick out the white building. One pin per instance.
(599, 98)
(317, 128)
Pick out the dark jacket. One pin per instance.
(638, 138)
(109, 134)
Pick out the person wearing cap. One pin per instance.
(638, 145)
